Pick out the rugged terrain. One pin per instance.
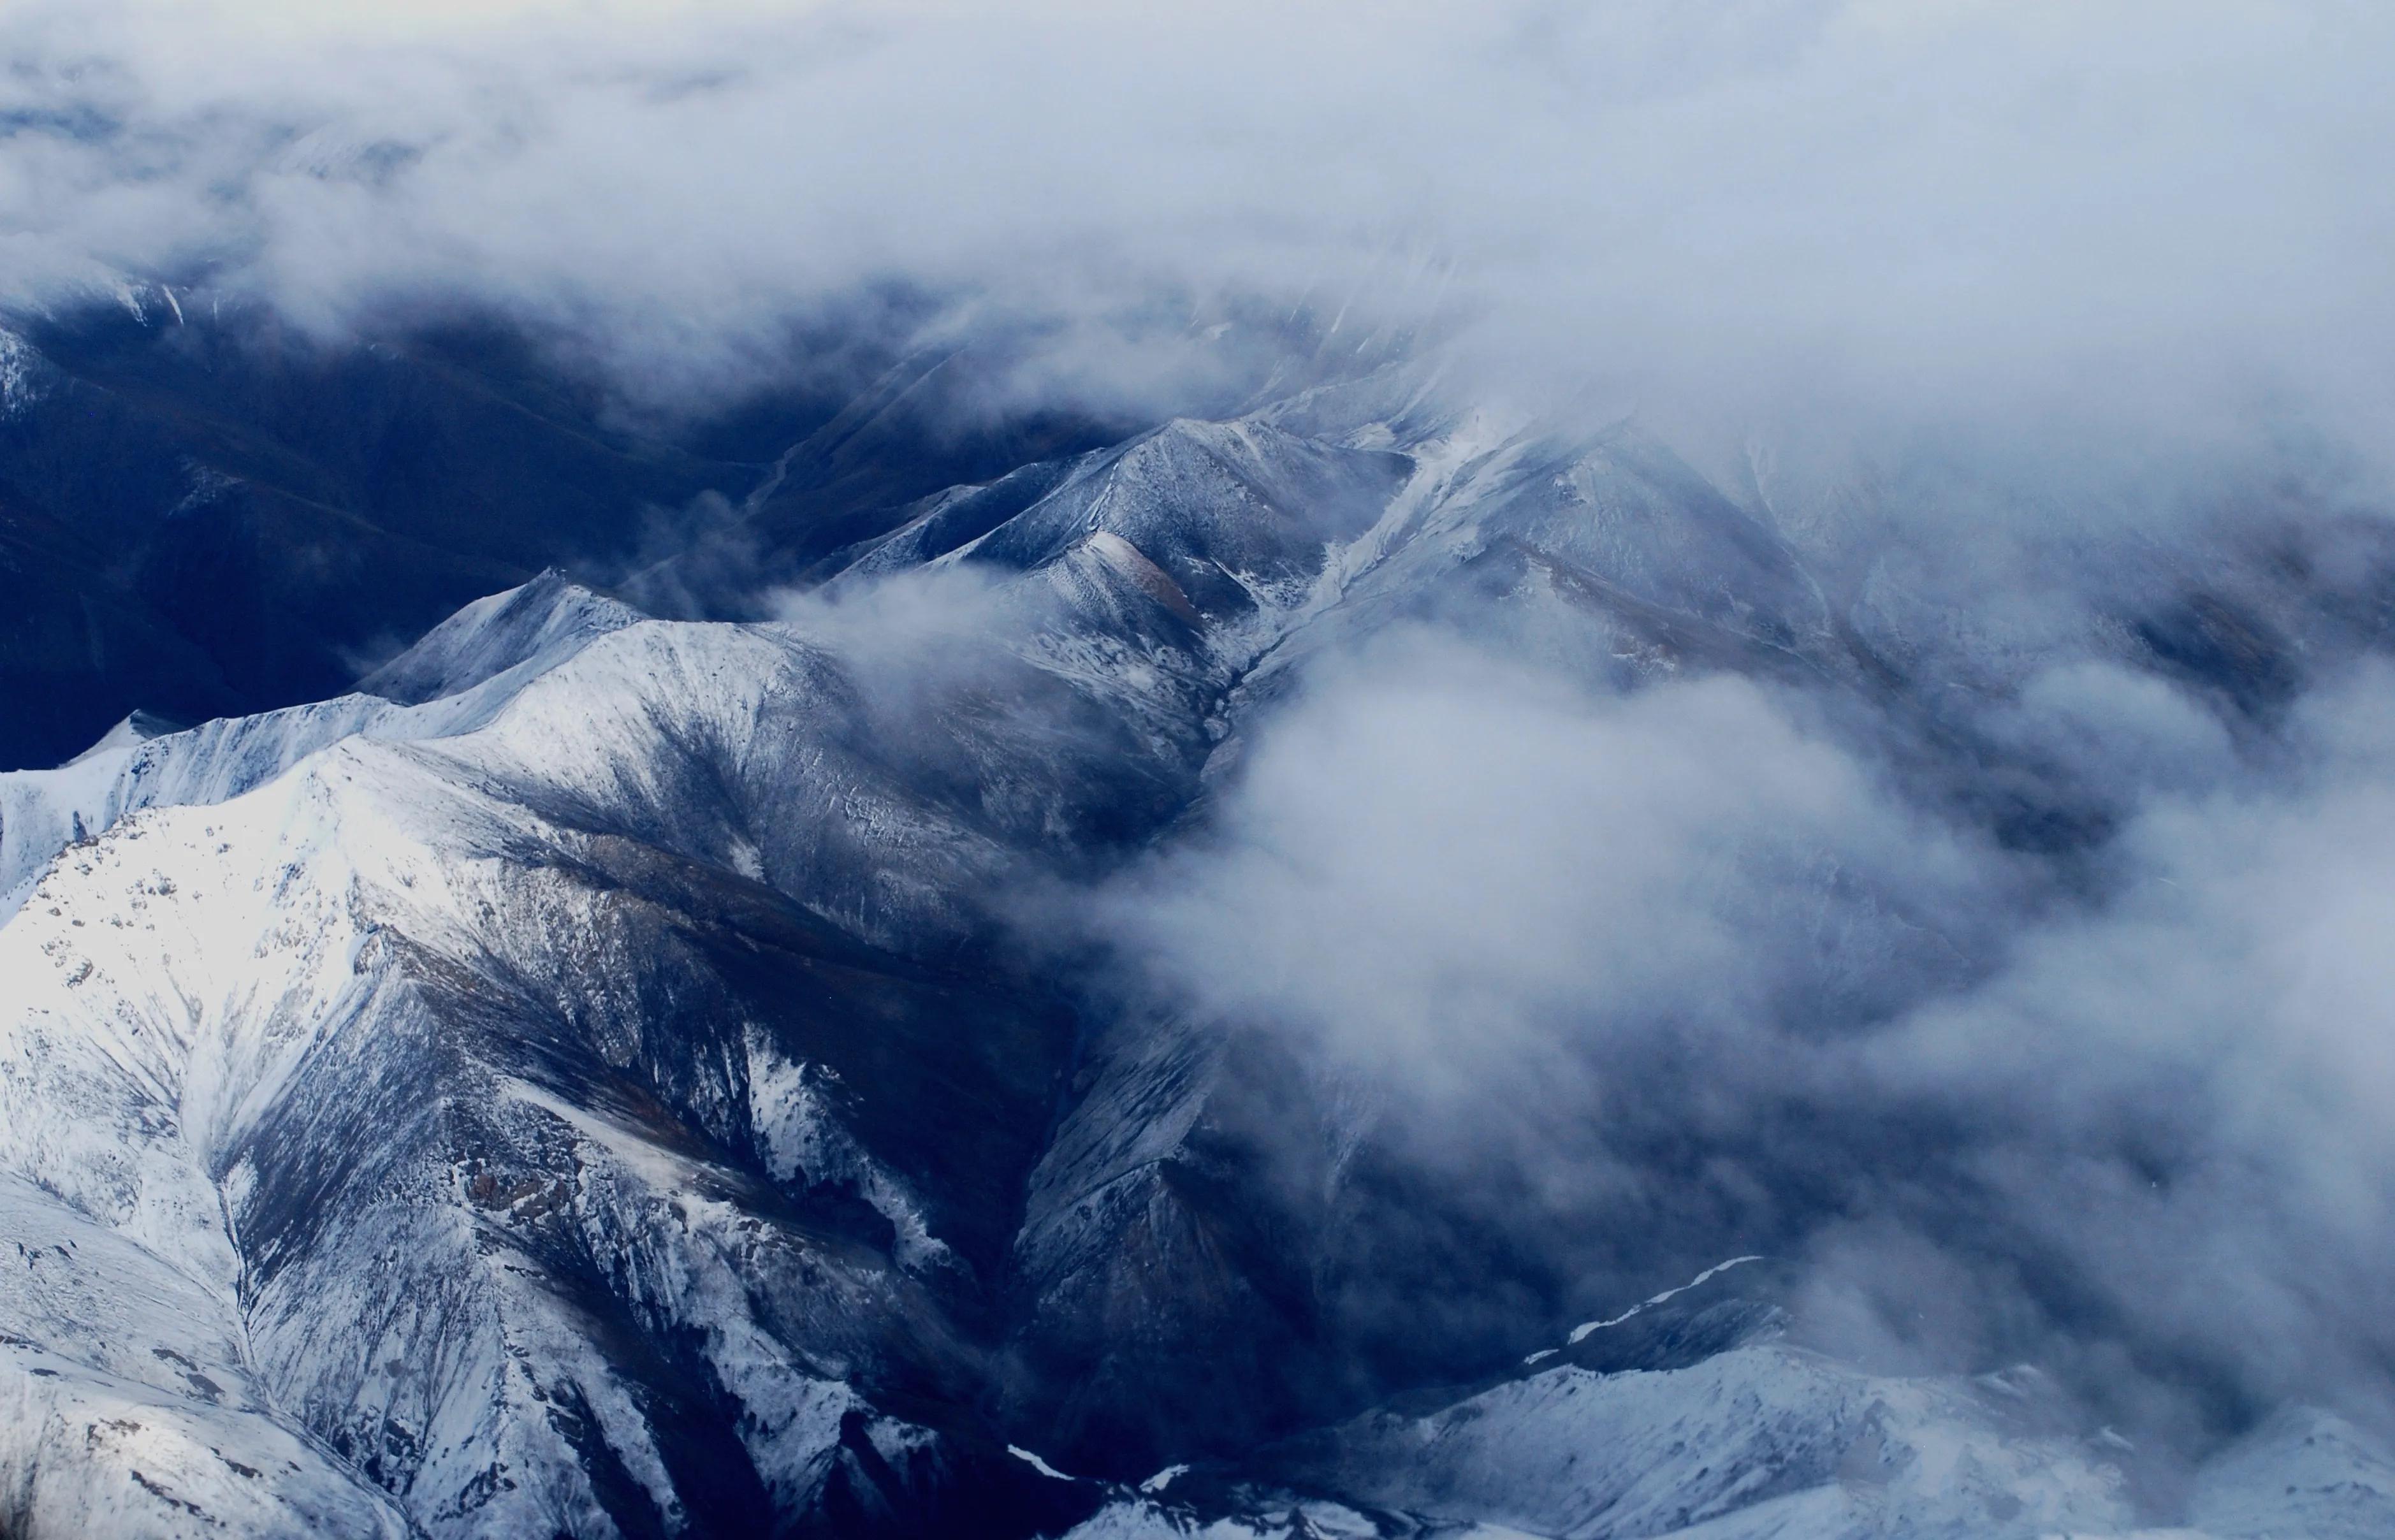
(604, 1074)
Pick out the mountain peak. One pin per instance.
(135, 727)
(534, 622)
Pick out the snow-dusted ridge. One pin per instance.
(205, 986)
(454, 680)
(436, 1046)
(1764, 1440)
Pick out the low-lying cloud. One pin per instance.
(2193, 1079)
(1693, 967)
(1440, 858)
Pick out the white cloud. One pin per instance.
(2190, 1088)
(1679, 965)
(1440, 866)
(1743, 206)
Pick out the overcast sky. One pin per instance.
(2166, 212)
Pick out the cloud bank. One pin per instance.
(1694, 971)
(1792, 212)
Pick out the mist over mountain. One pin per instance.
(922, 770)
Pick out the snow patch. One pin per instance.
(1583, 1329)
(1035, 1462)
(19, 373)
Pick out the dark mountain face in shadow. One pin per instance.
(205, 511)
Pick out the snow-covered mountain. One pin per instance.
(614, 1075)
